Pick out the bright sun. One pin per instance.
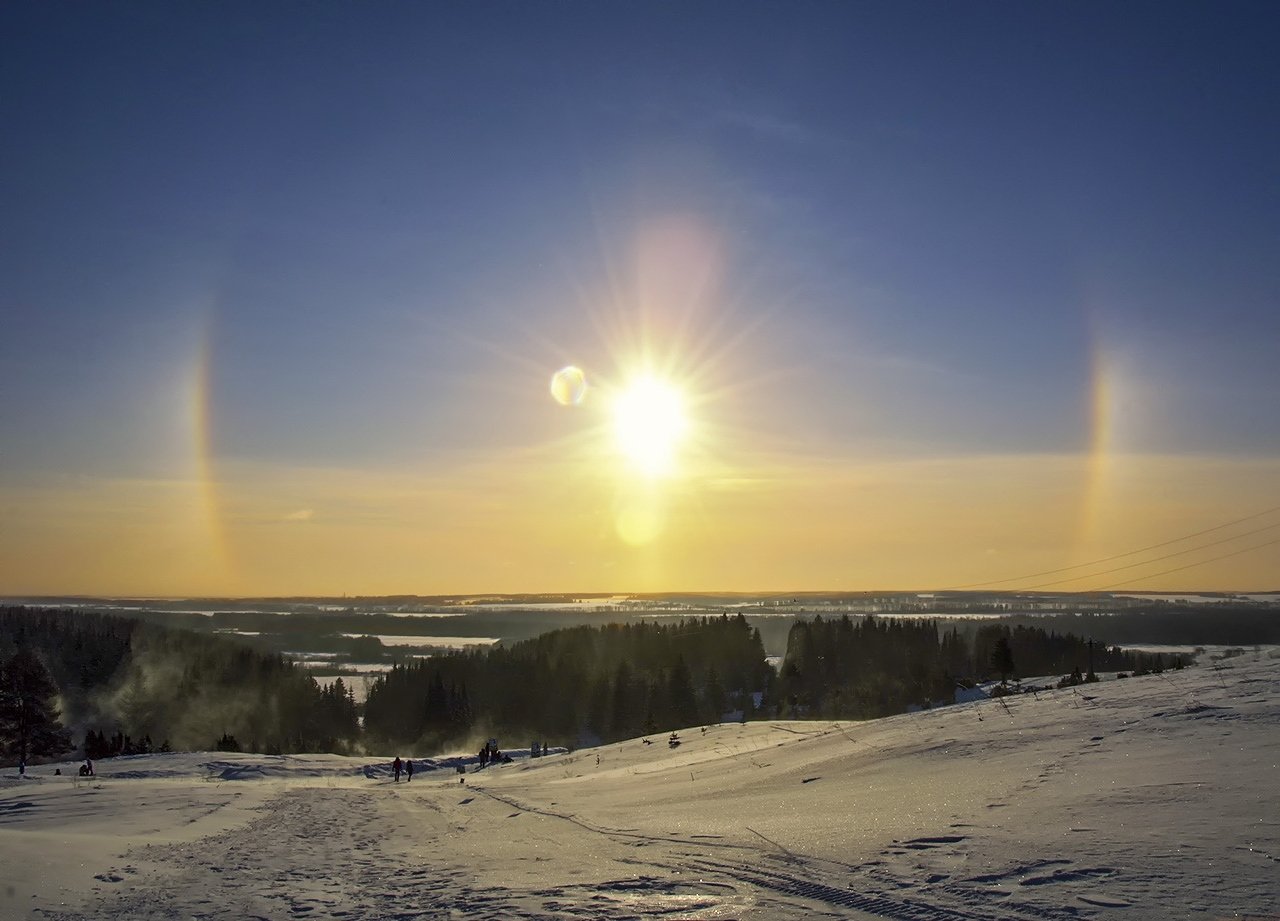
(650, 423)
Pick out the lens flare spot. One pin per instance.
(638, 522)
(569, 386)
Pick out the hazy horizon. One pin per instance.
(780, 596)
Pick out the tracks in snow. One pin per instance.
(345, 853)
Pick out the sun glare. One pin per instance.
(650, 422)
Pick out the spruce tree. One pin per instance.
(680, 696)
(1002, 659)
(715, 696)
(29, 725)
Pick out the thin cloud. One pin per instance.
(769, 126)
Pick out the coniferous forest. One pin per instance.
(138, 687)
(105, 685)
(602, 683)
(860, 668)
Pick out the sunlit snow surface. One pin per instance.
(1145, 798)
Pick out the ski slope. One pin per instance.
(1152, 797)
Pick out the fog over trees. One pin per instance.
(111, 685)
(118, 677)
(29, 725)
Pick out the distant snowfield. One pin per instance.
(451, 642)
(1218, 598)
(1153, 797)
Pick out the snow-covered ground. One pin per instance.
(1152, 797)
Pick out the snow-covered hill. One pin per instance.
(1152, 798)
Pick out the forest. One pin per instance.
(592, 683)
(1223, 624)
(106, 685)
(865, 667)
(139, 686)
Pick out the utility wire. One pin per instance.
(1191, 565)
(1155, 559)
(1118, 556)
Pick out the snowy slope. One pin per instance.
(1147, 798)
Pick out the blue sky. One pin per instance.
(383, 225)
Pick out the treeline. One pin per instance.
(858, 668)
(122, 686)
(124, 681)
(596, 683)
(1223, 624)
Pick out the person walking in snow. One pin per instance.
(396, 767)
(408, 770)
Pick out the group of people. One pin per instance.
(491, 754)
(86, 769)
(405, 767)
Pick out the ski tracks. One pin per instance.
(773, 881)
(345, 853)
(312, 853)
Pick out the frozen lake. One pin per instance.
(450, 642)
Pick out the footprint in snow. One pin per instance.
(1104, 901)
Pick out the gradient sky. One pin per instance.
(955, 293)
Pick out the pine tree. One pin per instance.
(29, 725)
(1002, 659)
(715, 696)
(622, 716)
(680, 696)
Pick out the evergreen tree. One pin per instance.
(680, 696)
(622, 717)
(715, 696)
(1002, 659)
(29, 725)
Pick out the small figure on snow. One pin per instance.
(408, 770)
(396, 767)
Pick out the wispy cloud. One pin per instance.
(769, 126)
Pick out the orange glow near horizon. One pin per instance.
(670, 470)
(512, 526)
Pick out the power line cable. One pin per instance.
(1191, 565)
(1157, 559)
(1118, 556)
